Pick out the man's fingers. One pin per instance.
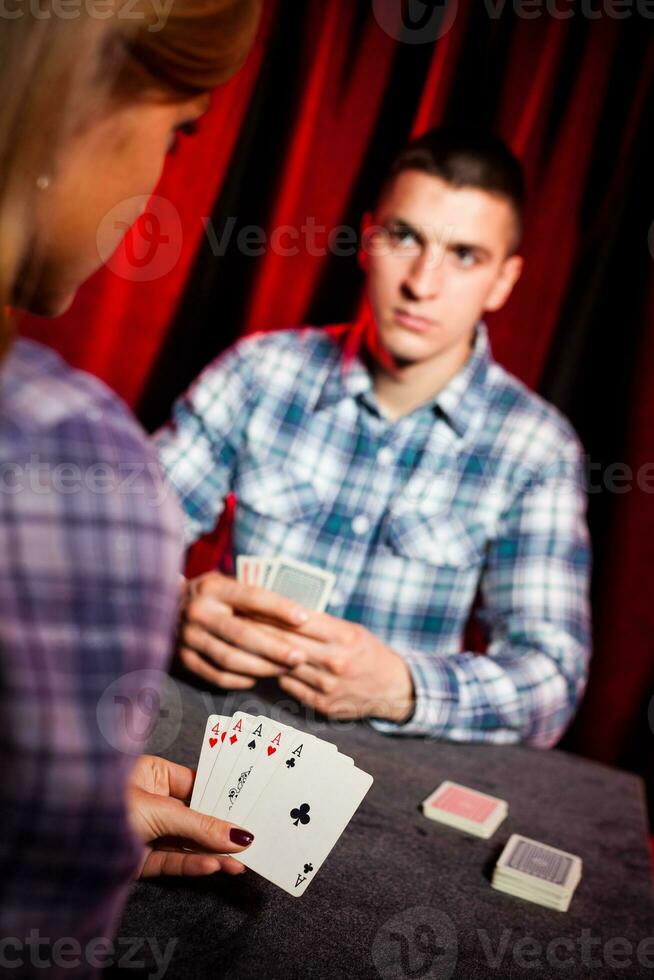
(326, 704)
(247, 635)
(196, 663)
(319, 679)
(227, 657)
(315, 651)
(252, 599)
(303, 693)
(329, 629)
(321, 629)
(219, 639)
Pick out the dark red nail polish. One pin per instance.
(241, 837)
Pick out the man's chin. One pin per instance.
(406, 347)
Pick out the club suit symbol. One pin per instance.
(300, 815)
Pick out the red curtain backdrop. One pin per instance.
(117, 326)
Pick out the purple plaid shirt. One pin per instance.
(90, 552)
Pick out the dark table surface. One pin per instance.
(401, 896)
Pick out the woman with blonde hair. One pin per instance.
(88, 570)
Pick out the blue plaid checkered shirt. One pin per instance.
(477, 494)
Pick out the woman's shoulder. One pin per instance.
(40, 391)
(63, 429)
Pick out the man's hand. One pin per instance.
(219, 644)
(179, 841)
(348, 672)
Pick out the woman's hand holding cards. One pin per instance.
(222, 640)
(178, 840)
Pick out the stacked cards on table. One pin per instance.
(466, 809)
(307, 585)
(537, 872)
(296, 793)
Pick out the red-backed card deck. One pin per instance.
(465, 809)
(295, 792)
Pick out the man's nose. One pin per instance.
(424, 277)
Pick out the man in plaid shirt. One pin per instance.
(397, 454)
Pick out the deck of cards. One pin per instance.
(296, 793)
(308, 585)
(537, 872)
(466, 809)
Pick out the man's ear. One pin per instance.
(508, 277)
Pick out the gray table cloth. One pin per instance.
(401, 896)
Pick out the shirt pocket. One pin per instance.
(441, 539)
(274, 491)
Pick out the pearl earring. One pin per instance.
(43, 182)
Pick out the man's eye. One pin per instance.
(402, 236)
(465, 257)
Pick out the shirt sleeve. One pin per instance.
(198, 449)
(535, 589)
(91, 550)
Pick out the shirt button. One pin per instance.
(385, 456)
(360, 524)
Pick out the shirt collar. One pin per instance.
(462, 398)
(458, 402)
(348, 376)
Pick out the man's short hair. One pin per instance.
(466, 158)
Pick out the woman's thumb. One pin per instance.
(205, 831)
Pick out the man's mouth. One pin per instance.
(418, 324)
